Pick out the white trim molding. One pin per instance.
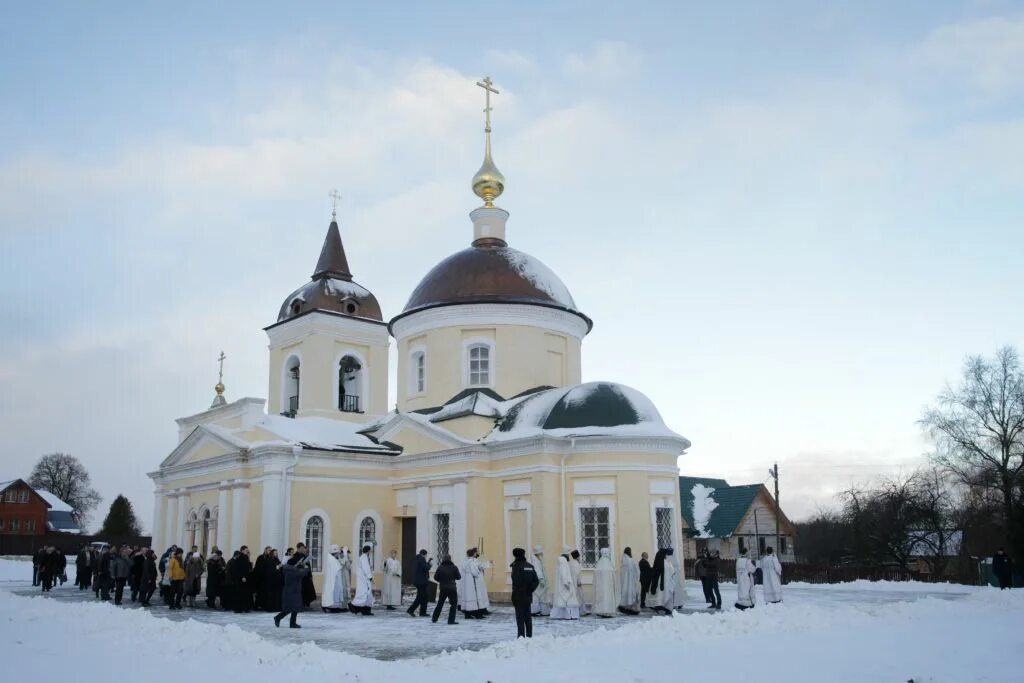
(477, 315)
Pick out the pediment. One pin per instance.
(202, 444)
(415, 436)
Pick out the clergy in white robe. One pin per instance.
(473, 597)
(680, 593)
(391, 591)
(577, 578)
(363, 600)
(345, 558)
(541, 605)
(333, 597)
(744, 582)
(629, 584)
(670, 579)
(606, 588)
(771, 576)
(565, 601)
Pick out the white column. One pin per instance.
(156, 528)
(170, 520)
(179, 536)
(461, 520)
(424, 522)
(239, 512)
(223, 515)
(272, 512)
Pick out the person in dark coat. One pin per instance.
(62, 566)
(658, 572)
(1002, 567)
(49, 568)
(148, 577)
(447, 577)
(215, 570)
(712, 565)
(105, 580)
(524, 582)
(135, 578)
(37, 564)
(83, 569)
(301, 558)
(420, 579)
(241, 577)
(700, 568)
(262, 589)
(645, 579)
(120, 569)
(291, 595)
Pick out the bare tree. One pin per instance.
(936, 536)
(64, 476)
(978, 429)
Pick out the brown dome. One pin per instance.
(491, 274)
(332, 288)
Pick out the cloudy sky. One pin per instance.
(790, 223)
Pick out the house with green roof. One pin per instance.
(727, 518)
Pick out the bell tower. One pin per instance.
(329, 346)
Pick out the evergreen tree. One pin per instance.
(121, 521)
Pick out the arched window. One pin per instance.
(315, 541)
(291, 386)
(479, 358)
(368, 536)
(204, 545)
(350, 384)
(418, 373)
(193, 523)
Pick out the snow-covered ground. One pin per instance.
(852, 632)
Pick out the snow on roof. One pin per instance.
(703, 505)
(540, 276)
(343, 288)
(312, 432)
(56, 504)
(476, 403)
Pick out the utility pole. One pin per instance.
(774, 472)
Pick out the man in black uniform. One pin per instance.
(446, 576)
(524, 582)
(1002, 567)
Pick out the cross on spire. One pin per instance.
(335, 197)
(220, 374)
(489, 88)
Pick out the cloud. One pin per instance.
(608, 61)
(986, 53)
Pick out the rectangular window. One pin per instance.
(30, 525)
(782, 545)
(761, 545)
(742, 544)
(2, 525)
(442, 535)
(12, 496)
(23, 497)
(663, 523)
(15, 524)
(421, 373)
(479, 366)
(594, 534)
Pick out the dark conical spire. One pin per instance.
(332, 261)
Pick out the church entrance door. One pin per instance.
(409, 549)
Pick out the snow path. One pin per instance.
(853, 632)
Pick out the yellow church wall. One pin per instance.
(471, 427)
(205, 450)
(522, 357)
(413, 441)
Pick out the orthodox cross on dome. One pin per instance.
(489, 88)
(220, 374)
(488, 183)
(335, 198)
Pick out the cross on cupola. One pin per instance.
(488, 183)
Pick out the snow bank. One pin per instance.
(968, 639)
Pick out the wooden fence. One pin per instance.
(967, 573)
(11, 544)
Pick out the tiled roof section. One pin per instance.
(733, 503)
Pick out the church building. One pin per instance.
(494, 442)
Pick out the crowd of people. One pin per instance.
(284, 585)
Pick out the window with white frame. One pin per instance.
(479, 365)
(368, 536)
(30, 525)
(315, 541)
(442, 535)
(595, 534)
(663, 527)
(23, 497)
(418, 373)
